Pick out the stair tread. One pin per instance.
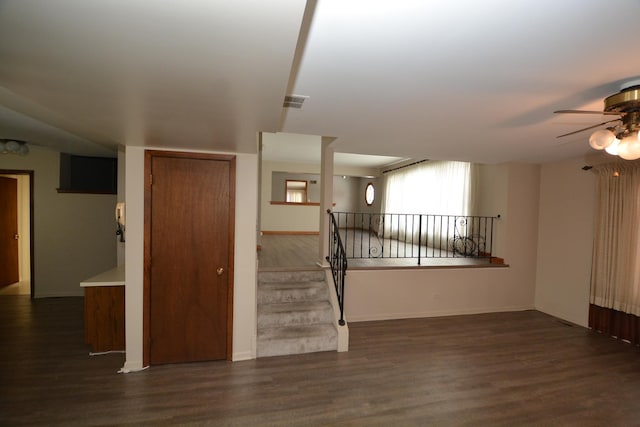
(291, 276)
(285, 307)
(294, 332)
(291, 285)
(290, 292)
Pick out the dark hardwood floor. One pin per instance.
(288, 251)
(503, 369)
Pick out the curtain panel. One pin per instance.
(615, 323)
(615, 274)
(430, 188)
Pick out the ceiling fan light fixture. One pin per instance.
(613, 147)
(622, 138)
(13, 146)
(601, 139)
(629, 148)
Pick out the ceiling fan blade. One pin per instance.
(602, 113)
(587, 128)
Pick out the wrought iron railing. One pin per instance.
(337, 258)
(419, 236)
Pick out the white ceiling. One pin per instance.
(300, 148)
(460, 80)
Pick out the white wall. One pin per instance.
(306, 218)
(492, 200)
(567, 197)
(120, 246)
(391, 294)
(74, 233)
(134, 257)
(346, 193)
(521, 242)
(278, 185)
(244, 307)
(286, 217)
(376, 207)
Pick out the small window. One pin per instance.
(369, 194)
(296, 191)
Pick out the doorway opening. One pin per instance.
(21, 232)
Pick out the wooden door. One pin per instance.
(8, 231)
(189, 256)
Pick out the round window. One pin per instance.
(369, 194)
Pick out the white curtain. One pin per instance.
(433, 188)
(296, 196)
(615, 276)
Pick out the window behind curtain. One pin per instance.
(434, 187)
(431, 188)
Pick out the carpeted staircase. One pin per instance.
(294, 313)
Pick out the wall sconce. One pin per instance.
(13, 146)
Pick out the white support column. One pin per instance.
(326, 197)
(259, 201)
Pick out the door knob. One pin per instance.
(220, 270)
(16, 236)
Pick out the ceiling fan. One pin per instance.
(621, 138)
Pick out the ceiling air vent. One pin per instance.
(294, 101)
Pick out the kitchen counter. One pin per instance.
(113, 277)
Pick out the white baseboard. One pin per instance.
(580, 322)
(443, 313)
(129, 367)
(242, 355)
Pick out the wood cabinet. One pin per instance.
(104, 323)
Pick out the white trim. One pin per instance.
(129, 367)
(242, 355)
(416, 315)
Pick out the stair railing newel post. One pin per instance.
(337, 259)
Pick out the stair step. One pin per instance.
(296, 313)
(277, 341)
(291, 291)
(291, 276)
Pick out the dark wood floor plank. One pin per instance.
(292, 251)
(501, 369)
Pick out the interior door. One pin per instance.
(190, 204)
(8, 231)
